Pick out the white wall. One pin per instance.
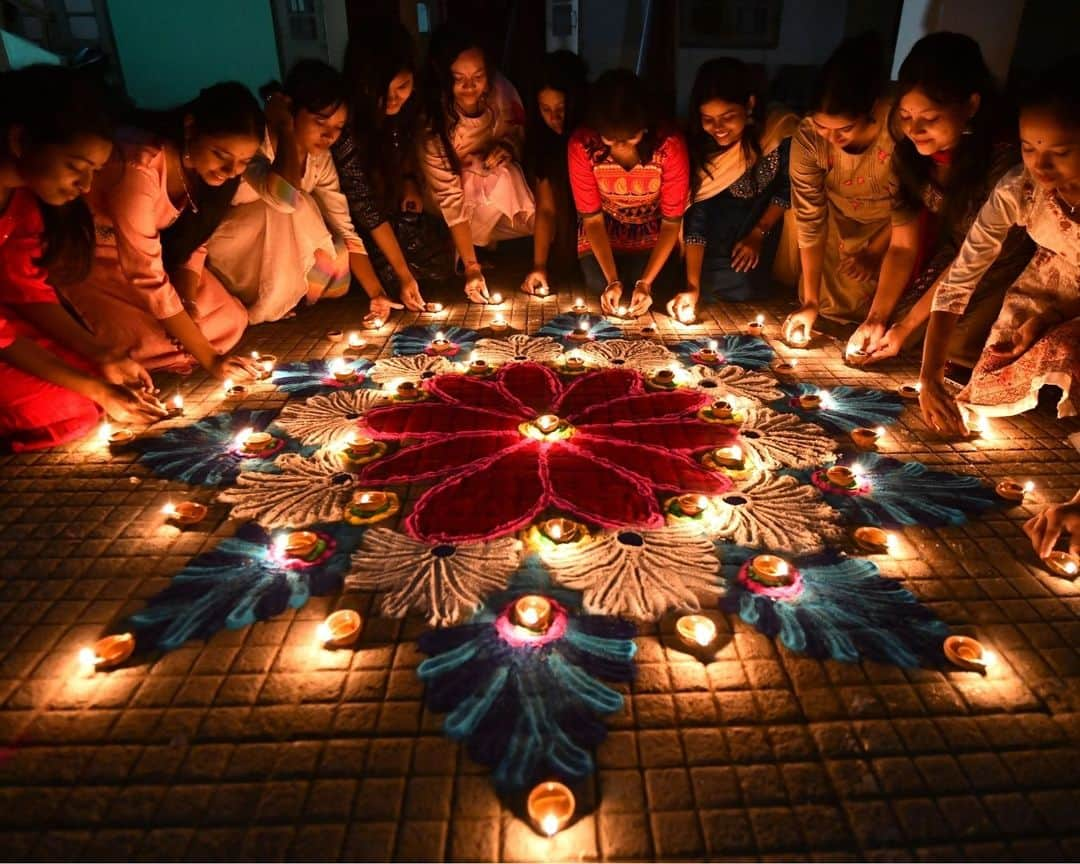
(993, 25)
(809, 31)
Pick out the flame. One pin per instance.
(104, 431)
(178, 402)
(323, 633)
(713, 345)
(549, 824)
(1029, 487)
(87, 658)
(281, 542)
(440, 336)
(760, 320)
(169, 509)
(555, 531)
(227, 385)
(242, 436)
(703, 632)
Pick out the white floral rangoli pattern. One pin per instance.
(519, 347)
(415, 368)
(774, 440)
(640, 574)
(445, 582)
(643, 355)
(735, 381)
(330, 418)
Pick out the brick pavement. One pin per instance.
(259, 745)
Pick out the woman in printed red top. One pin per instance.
(630, 182)
(55, 136)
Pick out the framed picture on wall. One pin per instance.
(730, 24)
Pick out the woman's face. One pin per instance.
(316, 131)
(470, 81)
(552, 104)
(59, 173)
(934, 127)
(724, 121)
(398, 92)
(219, 158)
(1051, 150)
(839, 129)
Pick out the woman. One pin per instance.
(288, 236)
(56, 378)
(155, 206)
(472, 151)
(851, 235)
(553, 113)
(739, 187)
(1046, 529)
(376, 160)
(630, 181)
(1035, 340)
(951, 156)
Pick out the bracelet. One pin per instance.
(642, 282)
(613, 282)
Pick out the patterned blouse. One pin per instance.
(633, 202)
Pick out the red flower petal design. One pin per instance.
(665, 470)
(431, 419)
(647, 406)
(593, 388)
(534, 386)
(477, 393)
(595, 490)
(678, 435)
(437, 457)
(500, 496)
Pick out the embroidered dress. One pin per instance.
(633, 202)
(1050, 285)
(128, 292)
(719, 222)
(264, 250)
(939, 244)
(845, 200)
(34, 413)
(497, 203)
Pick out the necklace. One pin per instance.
(183, 179)
(1064, 203)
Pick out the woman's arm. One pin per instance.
(896, 267)
(543, 236)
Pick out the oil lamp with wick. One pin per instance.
(547, 423)
(176, 407)
(579, 307)
(231, 388)
(499, 324)
(477, 366)
(1063, 564)
(581, 333)
(355, 341)
(910, 391)
(533, 613)
(843, 477)
(867, 439)
(810, 401)
(551, 807)
(968, 653)
(785, 367)
(730, 457)
(757, 326)
(799, 338)
(115, 438)
(574, 362)
(708, 355)
(407, 391)
(340, 629)
(1013, 490)
(440, 344)
(184, 513)
(342, 370)
(692, 505)
(369, 502)
(296, 545)
(433, 308)
(560, 530)
(876, 540)
(697, 631)
(107, 652)
(686, 316)
(770, 570)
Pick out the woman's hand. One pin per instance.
(683, 306)
(1026, 335)
(939, 409)
(498, 155)
(801, 320)
(1045, 529)
(746, 253)
(411, 296)
(476, 285)
(641, 299)
(234, 366)
(866, 338)
(534, 281)
(127, 373)
(891, 344)
(411, 199)
(612, 296)
(381, 305)
(125, 405)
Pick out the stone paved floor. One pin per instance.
(259, 745)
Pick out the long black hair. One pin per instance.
(729, 80)
(852, 79)
(949, 68)
(227, 108)
(440, 111)
(53, 106)
(564, 72)
(619, 108)
(315, 87)
(375, 56)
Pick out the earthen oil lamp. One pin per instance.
(722, 409)
(810, 401)
(533, 613)
(1013, 490)
(440, 344)
(543, 291)
(581, 332)
(909, 391)
(369, 502)
(176, 407)
(252, 443)
(579, 307)
(756, 327)
(232, 389)
(334, 335)
(686, 316)
(708, 355)
(770, 570)
(359, 447)
(341, 629)
(355, 344)
(479, 367)
(697, 631)
(560, 530)
(342, 370)
(499, 324)
(107, 652)
(664, 378)
(407, 391)
(551, 807)
(730, 457)
(115, 439)
(799, 338)
(968, 653)
(573, 362)
(866, 439)
(874, 539)
(547, 423)
(1063, 564)
(298, 544)
(692, 505)
(785, 367)
(842, 477)
(185, 513)
(433, 308)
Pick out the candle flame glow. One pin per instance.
(529, 616)
(169, 509)
(1071, 568)
(1029, 487)
(880, 431)
(713, 344)
(254, 355)
(549, 824)
(243, 435)
(440, 336)
(104, 431)
(338, 365)
(989, 658)
(760, 320)
(703, 633)
(377, 323)
(281, 542)
(686, 315)
(323, 633)
(496, 298)
(621, 311)
(268, 366)
(355, 340)
(555, 531)
(578, 301)
(584, 324)
(178, 402)
(227, 385)
(87, 658)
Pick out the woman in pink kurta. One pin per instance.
(154, 207)
(56, 379)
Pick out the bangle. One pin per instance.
(613, 282)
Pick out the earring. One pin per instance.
(968, 129)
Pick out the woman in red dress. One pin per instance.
(57, 379)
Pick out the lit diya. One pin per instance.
(547, 423)
(874, 539)
(709, 354)
(533, 613)
(360, 448)
(810, 401)
(340, 629)
(1063, 564)
(560, 530)
(574, 362)
(185, 513)
(118, 438)
(498, 324)
(581, 332)
(108, 652)
(176, 408)
(551, 807)
(865, 438)
(842, 477)
(968, 653)
(757, 326)
(252, 443)
(433, 308)
(697, 631)
(579, 307)
(300, 544)
(692, 505)
(407, 391)
(909, 391)
(771, 570)
(730, 457)
(369, 502)
(785, 367)
(440, 344)
(664, 378)
(479, 367)
(1012, 490)
(799, 338)
(342, 370)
